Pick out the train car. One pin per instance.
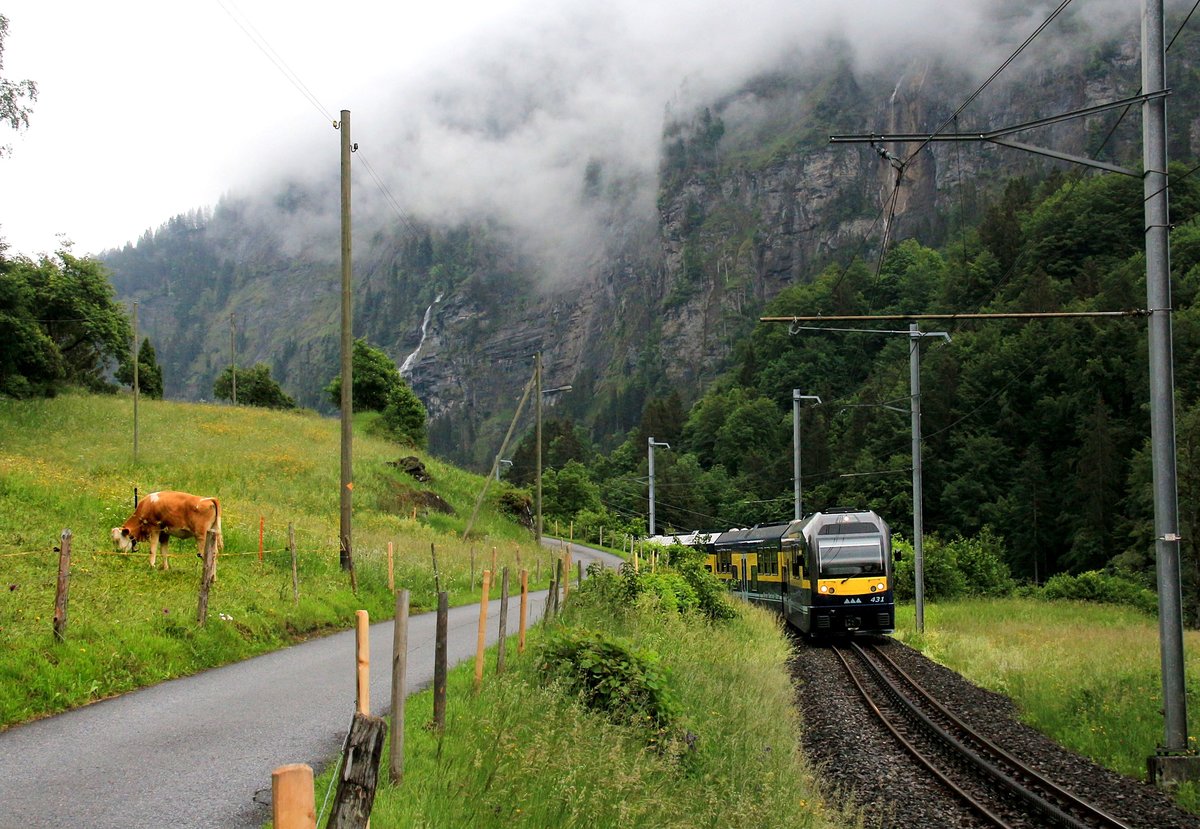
(829, 574)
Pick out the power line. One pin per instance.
(264, 46)
(974, 95)
(257, 38)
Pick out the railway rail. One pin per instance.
(1001, 789)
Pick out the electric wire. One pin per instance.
(259, 40)
(264, 46)
(975, 95)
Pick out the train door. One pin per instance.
(744, 573)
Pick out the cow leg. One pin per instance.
(164, 540)
(153, 548)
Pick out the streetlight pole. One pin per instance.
(796, 398)
(651, 443)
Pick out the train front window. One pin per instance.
(851, 554)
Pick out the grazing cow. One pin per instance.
(161, 515)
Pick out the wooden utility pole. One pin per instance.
(135, 381)
(233, 357)
(347, 482)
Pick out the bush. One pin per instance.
(1104, 588)
(609, 675)
(712, 596)
(943, 578)
(981, 562)
(672, 591)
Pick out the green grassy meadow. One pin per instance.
(526, 753)
(1086, 675)
(67, 462)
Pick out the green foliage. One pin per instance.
(1105, 588)
(981, 561)
(150, 377)
(943, 577)
(13, 94)
(255, 387)
(61, 325)
(405, 415)
(610, 675)
(671, 591)
(712, 597)
(375, 378)
(569, 491)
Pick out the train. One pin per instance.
(829, 574)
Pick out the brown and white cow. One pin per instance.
(161, 515)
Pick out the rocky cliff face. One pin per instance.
(752, 198)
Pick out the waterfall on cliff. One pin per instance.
(411, 359)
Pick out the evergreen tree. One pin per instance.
(150, 377)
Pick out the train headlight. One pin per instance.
(881, 586)
(824, 588)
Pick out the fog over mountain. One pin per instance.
(509, 123)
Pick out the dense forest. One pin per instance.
(1037, 430)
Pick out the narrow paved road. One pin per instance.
(199, 751)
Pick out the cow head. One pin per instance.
(123, 540)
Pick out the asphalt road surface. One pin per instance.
(199, 751)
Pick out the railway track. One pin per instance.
(1001, 789)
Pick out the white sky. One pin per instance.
(151, 108)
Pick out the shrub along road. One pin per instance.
(199, 751)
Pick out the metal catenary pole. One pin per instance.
(914, 382)
(1162, 385)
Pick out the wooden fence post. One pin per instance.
(437, 575)
(500, 654)
(524, 610)
(293, 802)
(439, 662)
(64, 585)
(362, 652)
(481, 640)
(356, 785)
(295, 573)
(207, 573)
(579, 567)
(566, 581)
(399, 679)
(391, 569)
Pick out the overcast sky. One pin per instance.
(151, 108)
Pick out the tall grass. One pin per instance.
(524, 752)
(1086, 675)
(67, 463)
